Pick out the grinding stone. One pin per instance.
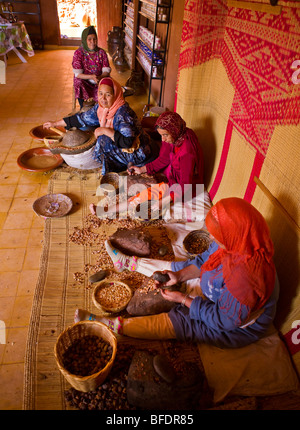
(163, 250)
(160, 277)
(132, 242)
(163, 368)
(98, 276)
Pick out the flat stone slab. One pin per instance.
(147, 389)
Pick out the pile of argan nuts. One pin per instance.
(111, 394)
(84, 236)
(92, 235)
(87, 355)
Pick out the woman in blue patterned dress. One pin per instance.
(90, 64)
(120, 136)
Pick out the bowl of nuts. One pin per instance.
(85, 353)
(111, 296)
(196, 242)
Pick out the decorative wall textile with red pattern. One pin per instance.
(258, 50)
(261, 54)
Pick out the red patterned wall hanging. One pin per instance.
(260, 52)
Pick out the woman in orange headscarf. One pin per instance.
(237, 277)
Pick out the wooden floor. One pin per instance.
(35, 92)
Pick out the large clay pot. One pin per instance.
(119, 60)
(136, 82)
(114, 40)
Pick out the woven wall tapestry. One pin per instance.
(257, 132)
(258, 51)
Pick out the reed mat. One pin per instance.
(73, 249)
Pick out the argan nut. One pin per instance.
(98, 276)
(160, 277)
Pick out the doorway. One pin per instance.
(74, 16)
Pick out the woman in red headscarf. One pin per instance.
(237, 278)
(180, 157)
(180, 160)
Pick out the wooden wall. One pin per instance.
(50, 22)
(109, 14)
(175, 31)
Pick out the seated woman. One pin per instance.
(180, 160)
(120, 137)
(90, 64)
(237, 277)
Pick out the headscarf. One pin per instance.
(86, 32)
(174, 124)
(106, 116)
(248, 267)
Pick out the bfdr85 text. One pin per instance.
(171, 419)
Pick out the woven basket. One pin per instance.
(77, 331)
(109, 179)
(109, 284)
(196, 242)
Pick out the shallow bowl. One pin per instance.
(39, 132)
(39, 160)
(52, 205)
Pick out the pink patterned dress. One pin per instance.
(86, 62)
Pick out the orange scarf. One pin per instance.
(106, 116)
(248, 267)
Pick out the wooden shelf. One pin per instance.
(156, 69)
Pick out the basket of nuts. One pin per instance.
(196, 242)
(111, 296)
(109, 183)
(85, 353)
